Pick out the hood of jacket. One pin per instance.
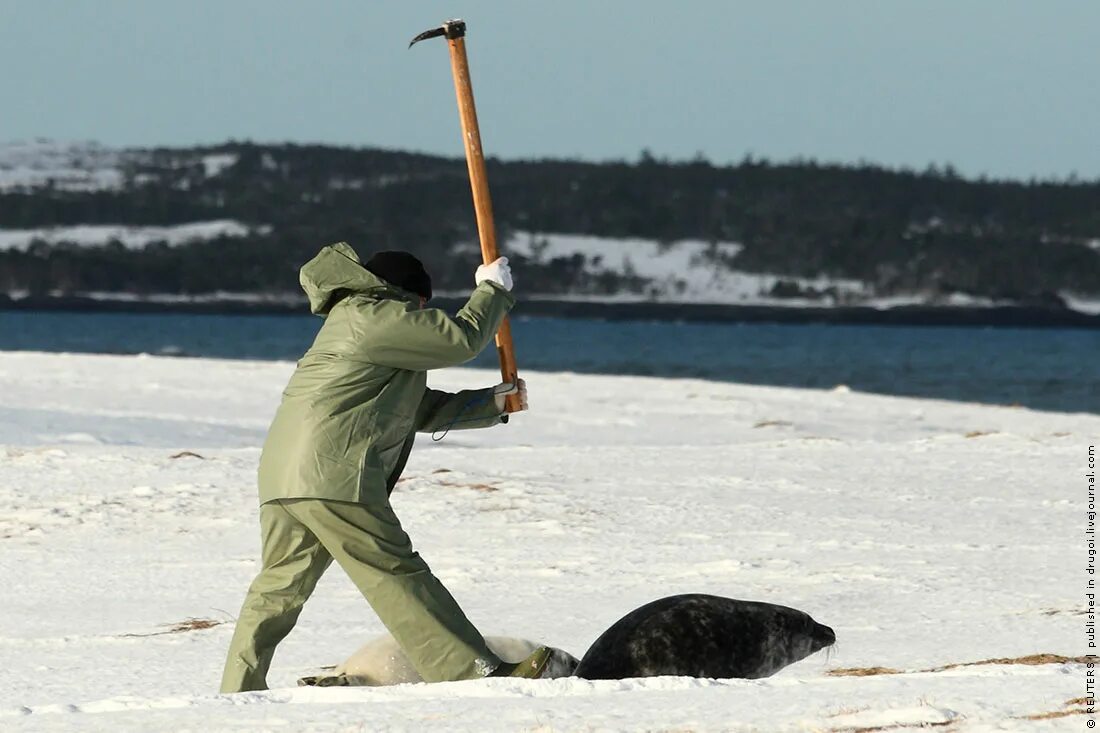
(337, 271)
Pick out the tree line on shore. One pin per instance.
(900, 231)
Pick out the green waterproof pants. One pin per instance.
(301, 537)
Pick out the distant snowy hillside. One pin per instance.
(89, 167)
(65, 166)
(26, 166)
(888, 246)
(93, 235)
(687, 271)
(693, 271)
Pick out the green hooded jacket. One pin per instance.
(351, 410)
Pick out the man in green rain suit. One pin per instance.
(337, 446)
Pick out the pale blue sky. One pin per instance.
(1009, 88)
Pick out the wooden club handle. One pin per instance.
(483, 205)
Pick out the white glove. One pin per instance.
(496, 271)
(504, 389)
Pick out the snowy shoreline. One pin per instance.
(1009, 316)
(926, 533)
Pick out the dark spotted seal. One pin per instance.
(698, 635)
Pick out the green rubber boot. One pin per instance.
(532, 668)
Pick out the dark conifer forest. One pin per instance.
(902, 232)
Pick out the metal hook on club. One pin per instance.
(455, 28)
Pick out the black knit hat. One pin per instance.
(403, 270)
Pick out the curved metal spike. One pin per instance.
(433, 33)
(455, 28)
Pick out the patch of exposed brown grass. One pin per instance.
(1077, 706)
(862, 671)
(1051, 714)
(895, 726)
(980, 433)
(451, 484)
(187, 454)
(772, 423)
(1032, 659)
(475, 487)
(191, 624)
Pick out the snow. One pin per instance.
(684, 271)
(695, 271)
(957, 300)
(215, 163)
(218, 296)
(131, 237)
(86, 166)
(926, 533)
(1082, 304)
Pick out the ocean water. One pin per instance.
(1048, 369)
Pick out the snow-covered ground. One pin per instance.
(694, 271)
(86, 166)
(26, 165)
(925, 533)
(1081, 304)
(685, 271)
(131, 237)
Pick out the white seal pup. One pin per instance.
(699, 635)
(381, 662)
